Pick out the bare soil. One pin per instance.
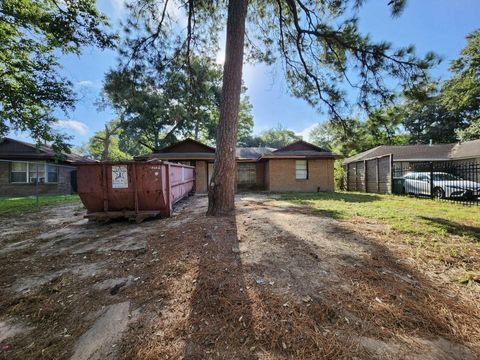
(275, 281)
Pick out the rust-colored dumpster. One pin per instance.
(133, 189)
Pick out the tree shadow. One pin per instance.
(332, 196)
(453, 227)
(220, 321)
(346, 295)
(277, 281)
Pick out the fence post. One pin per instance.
(431, 179)
(348, 170)
(356, 176)
(365, 176)
(36, 185)
(391, 174)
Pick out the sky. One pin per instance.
(430, 25)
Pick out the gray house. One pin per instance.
(373, 170)
(403, 156)
(26, 169)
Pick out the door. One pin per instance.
(246, 175)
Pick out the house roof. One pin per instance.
(466, 150)
(187, 146)
(422, 152)
(301, 149)
(12, 149)
(252, 153)
(190, 149)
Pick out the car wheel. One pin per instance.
(438, 193)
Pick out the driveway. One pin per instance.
(275, 281)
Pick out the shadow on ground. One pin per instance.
(333, 196)
(275, 282)
(453, 227)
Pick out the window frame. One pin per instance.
(306, 170)
(47, 173)
(27, 172)
(23, 172)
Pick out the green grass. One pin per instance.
(418, 217)
(10, 206)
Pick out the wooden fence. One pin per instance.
(371, 175)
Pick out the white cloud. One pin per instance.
(89, 84)
(86, 83)
(305, 133)
(74, 125)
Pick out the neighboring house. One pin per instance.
(369, 170)
(26, 169)
(406, 155)
(299, 166)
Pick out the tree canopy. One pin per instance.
(274, 137)
(105, 144)
(160, 106)
(442, 112)
(32, 35)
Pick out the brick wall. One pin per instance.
(281, 175)
(8, 189)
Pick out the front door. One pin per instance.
(246, 175)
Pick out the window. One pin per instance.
(18, 172)
(301, 169)
(36, 172)
(52, 173)
(31, 172)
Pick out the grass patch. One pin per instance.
(408, 215)
(11, 206)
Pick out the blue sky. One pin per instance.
(430, 25)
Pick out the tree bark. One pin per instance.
(221, 196)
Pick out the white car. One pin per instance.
(445, 185)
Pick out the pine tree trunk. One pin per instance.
(221, 196)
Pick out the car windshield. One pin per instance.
(445, 177)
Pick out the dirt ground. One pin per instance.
(275, 281)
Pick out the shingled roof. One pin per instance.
(422, 152)
(465, 150)
(12, 149)
(192, 149)
(253, 153)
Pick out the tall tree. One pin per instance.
(461, 93)
(274, 137)
(318, 40)
(221, 195)
(163, 104)
(382, 127)
(105, 145)
(471, 132)
(32, 34)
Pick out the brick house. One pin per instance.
(26, 169)
(300, 166)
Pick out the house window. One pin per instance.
(52, 172)
(18, 172)
(301, 169)
(31, 172)
(36, 173)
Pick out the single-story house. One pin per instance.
(299, 166)
(26, 169)
(404, 156)
(375, 169)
